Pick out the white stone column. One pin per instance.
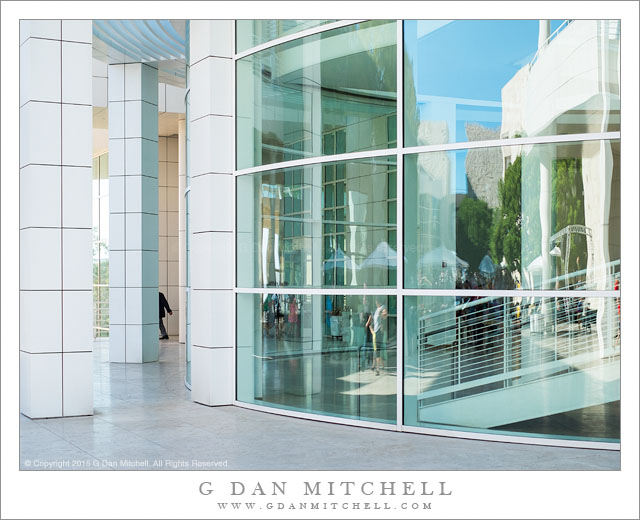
(212, 206)
(133, 204)
(55, 219)
(182, 226)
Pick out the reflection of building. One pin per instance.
(267, 188)
(562, 91)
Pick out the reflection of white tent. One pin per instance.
(340, 260)
(440, 254)
(382, 256)
(533, 274)
(536, 265)
(486, 265)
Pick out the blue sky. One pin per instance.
(470, 59)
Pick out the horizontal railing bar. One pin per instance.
(560, 364)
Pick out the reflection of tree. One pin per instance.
(101, 272)
(567, 206)
(100, 260)
(505, 233)
(473, 230)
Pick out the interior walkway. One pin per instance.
(144, 419)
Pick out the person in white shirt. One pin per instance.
(377, 334)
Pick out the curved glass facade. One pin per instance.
(543, 216)
(250, 33)
(339, 83)
(325, 225)
(476, 80)
(417, 281)
(328, 354)
(547, 367)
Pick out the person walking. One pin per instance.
(377, 334)
(365, 321)
(292, 330)
(164, 304)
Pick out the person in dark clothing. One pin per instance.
(164, 304)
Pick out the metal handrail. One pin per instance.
(472, 345)
(100, 312)
(547, 41)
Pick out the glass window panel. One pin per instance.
(532, 217)
(328, 248)
(329, 173)
(392, 239)
(341, 194)
(329, 144)
(264, 259)
(393, 183)
(340, 218)
(329, 198)
(281, 108)
(341, 141)
(392, 130)
(392, 212)
(250, 33)
(315, 354)
(288, 229)
(472, 80)
(306, 199)
(547, 367)
(393, 277)
(288, 205)
(329, 276)
(339, 172)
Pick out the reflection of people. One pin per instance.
(277, 306)
(164, 304)
(293, 316)
(365, 321)
(270, 314)
(377, 335)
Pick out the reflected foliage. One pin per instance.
(473, 230)
(505, 234)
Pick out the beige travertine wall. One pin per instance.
(168, 270)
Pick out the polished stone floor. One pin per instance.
(144, 419)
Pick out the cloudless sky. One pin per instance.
(470, 59)
(473, 58)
